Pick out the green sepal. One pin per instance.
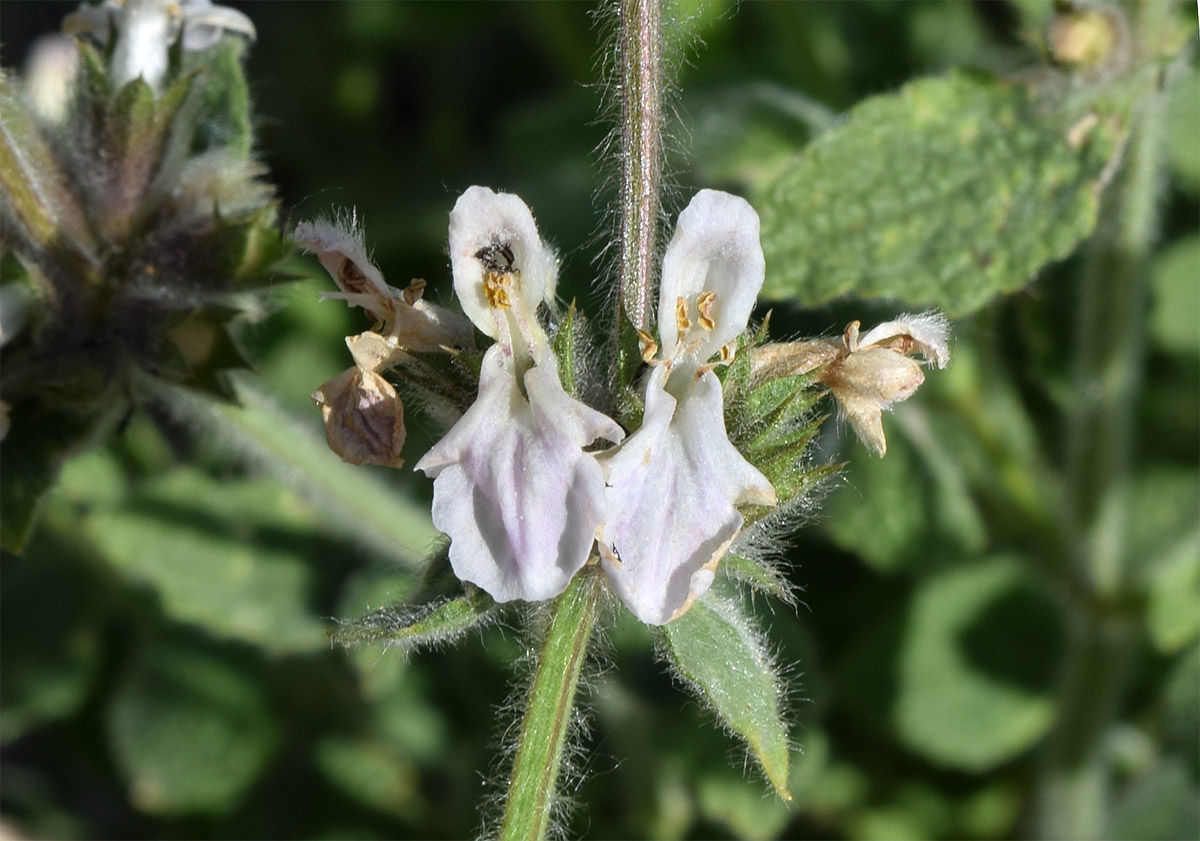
(564, 344)
(759, 576)
(34, 186)
(410, 627)
(225, 100)
(147, 143)
(946, 193)
(718, 652)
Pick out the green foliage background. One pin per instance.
(165, 666)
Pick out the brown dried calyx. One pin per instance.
(866, 373)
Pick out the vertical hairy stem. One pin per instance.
(1109, 357)
(641, 92)
(548, 711)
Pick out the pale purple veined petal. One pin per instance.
(712, 273)
(513, 488)
(497, 230)
(673, 486)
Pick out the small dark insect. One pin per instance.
(497, 258)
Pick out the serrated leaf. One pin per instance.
(716, 650)
(189, 732)
(409, 627)
(946, 193)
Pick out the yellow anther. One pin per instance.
(648, 346)
(682, 322)
(497, 287)
(704, 304)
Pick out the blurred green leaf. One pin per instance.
(372, 774)
(50, 639)
(189, 732)
(1175, 294)
(1161, 802)
(946, 193)
(1183, 117)
(912, 507)
(1173, 612)
(202, 546)
(354, 501)
(715, 649)
(975, 665)
(724, 798)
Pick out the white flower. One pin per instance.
(675, 482)
(513, 487)
(146, 29)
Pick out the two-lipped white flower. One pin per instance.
(146, 29)
(675, 482)
(513, 487)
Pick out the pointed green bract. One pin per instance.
(946, 193)
(716, 650)
(411, 627)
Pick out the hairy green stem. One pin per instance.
(539, 758)
(641, 93)
(1073, 792)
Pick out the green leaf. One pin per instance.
(1176, 297)
(946, 193)
(189, 732)
(717, 652)
(724, 798)
(1173, 610)
(1183, 117)
(372, 774)
(201, 545)
(911, 507)
(353, 500)
(51, 648)
(410, 627)
(1160, 802)
(963, 676)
